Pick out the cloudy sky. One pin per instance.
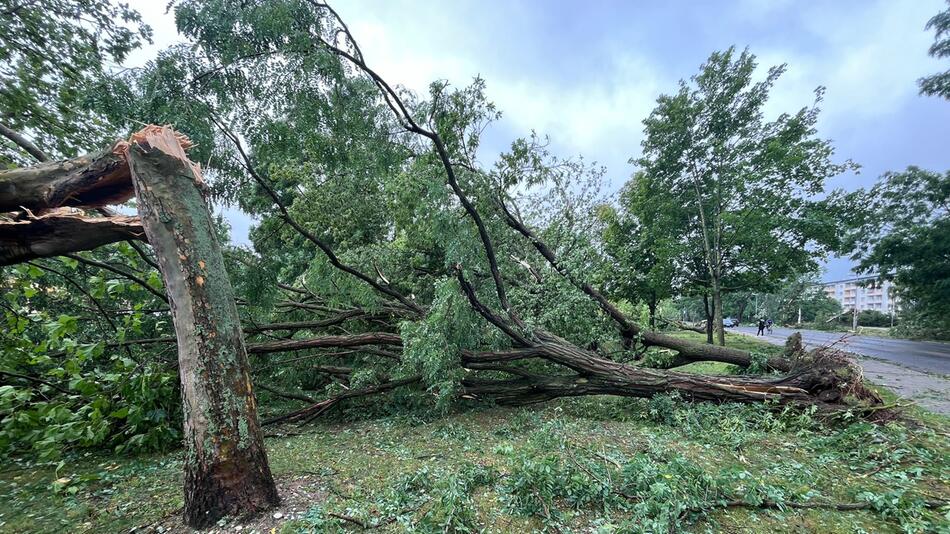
(586, 74)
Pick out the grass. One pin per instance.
(738, 341)
(735, 340)
(597, 464)
(874, 331)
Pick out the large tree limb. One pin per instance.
(88, 181)
(826, 381)
(56, 234)
(687, 350)
(355, 340)
(372, 338)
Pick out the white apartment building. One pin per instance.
(858, 293)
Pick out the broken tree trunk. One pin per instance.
(59, 233)
(226, 469)
(35, 225)
(88, 181)
(687, 352)
(826, 380)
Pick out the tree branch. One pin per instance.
(23, 143)
(119, 272)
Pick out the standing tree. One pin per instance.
(747, 183)
(938, 84)
(802, 296)
(902, 232)
(226, 470)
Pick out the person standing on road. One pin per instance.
(761, 327)
(768, 325)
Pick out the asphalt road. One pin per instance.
(926, 356)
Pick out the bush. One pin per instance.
(873, 318)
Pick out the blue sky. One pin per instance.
(587, 74)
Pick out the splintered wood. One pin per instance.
(165, 139)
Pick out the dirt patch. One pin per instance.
(298, 493)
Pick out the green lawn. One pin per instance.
(598, 464)
(498, 469)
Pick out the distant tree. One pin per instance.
(938, 84)
(640, 258)
(901, 230)
(739, 305)
(54, 54)
(801, 294)
(748, 184)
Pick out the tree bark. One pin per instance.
(356, 340)
(55, 234)
(709, 320)
(717, 319)
(651, 304)
(88, 181)
(226, 468)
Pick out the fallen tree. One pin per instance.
(819, 379)
(528, 364)
(60, 232)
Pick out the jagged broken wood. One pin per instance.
(60, 232)
(37, 223)
(87, 181)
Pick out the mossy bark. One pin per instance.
(226, 469)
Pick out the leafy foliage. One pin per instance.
(64, 389)
(55, 55)
(901, 231)
(938, 84)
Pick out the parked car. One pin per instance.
(730, 322)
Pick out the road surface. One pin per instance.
(924, 356)
(915, 370)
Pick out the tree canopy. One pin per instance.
(938, 84)
(748, 188)
(55, 58)
(901, 232)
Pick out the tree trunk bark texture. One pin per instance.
(651, 304)
(718, 327)
(88, 181)
(58, 233)
(226, 468)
